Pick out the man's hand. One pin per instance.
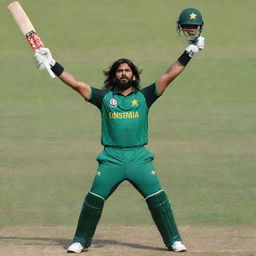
(195, 48)
(43, 57)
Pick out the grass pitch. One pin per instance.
(202, 130)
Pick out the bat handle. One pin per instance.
(48, 68)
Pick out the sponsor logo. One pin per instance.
(123, 115)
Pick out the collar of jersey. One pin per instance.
(118, 92)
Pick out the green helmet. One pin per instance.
(190, 16)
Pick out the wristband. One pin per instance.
(57, 69)
(184, 58)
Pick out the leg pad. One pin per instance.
(88, 220)
(162, 215)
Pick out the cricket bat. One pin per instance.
(27, 30)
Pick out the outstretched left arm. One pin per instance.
(176, 68)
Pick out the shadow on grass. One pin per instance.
(97, 243)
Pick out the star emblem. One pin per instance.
(192, 16)
(98, 173)
(134, 102)
(153, 172)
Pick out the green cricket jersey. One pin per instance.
(124, 118)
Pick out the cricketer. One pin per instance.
(124, 109)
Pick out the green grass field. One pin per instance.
(202, 131)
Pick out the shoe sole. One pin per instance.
(83, 250)
(171, 249)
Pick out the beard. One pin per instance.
(122, 85)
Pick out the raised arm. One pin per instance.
(82, 88)
(176, 68)
(173, 71)
(43, 55)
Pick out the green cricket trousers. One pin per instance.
(119, 164)
(134, 165)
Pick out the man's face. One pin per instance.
(124, 77)
(124, 73)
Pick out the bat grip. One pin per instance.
(48, 68)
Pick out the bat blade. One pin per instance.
(21, 18)
(27, 29)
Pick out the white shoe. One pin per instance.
(178, 246)
(76, 248)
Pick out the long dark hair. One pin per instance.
(110, 74)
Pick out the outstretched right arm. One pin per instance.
(43, 55)
(82, 88)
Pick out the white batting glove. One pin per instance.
(195, 48)
(192, 49)
(43, 56)
(200, 42)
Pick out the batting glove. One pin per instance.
(43, 56)
(200, 43)
(192, 49)
(196, 47)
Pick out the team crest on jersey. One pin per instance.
(113, 103)
(135, 102)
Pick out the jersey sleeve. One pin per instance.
(96, 97)
(151, 94)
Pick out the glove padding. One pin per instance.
(195, 48)
(43, 56)
(200, 43)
